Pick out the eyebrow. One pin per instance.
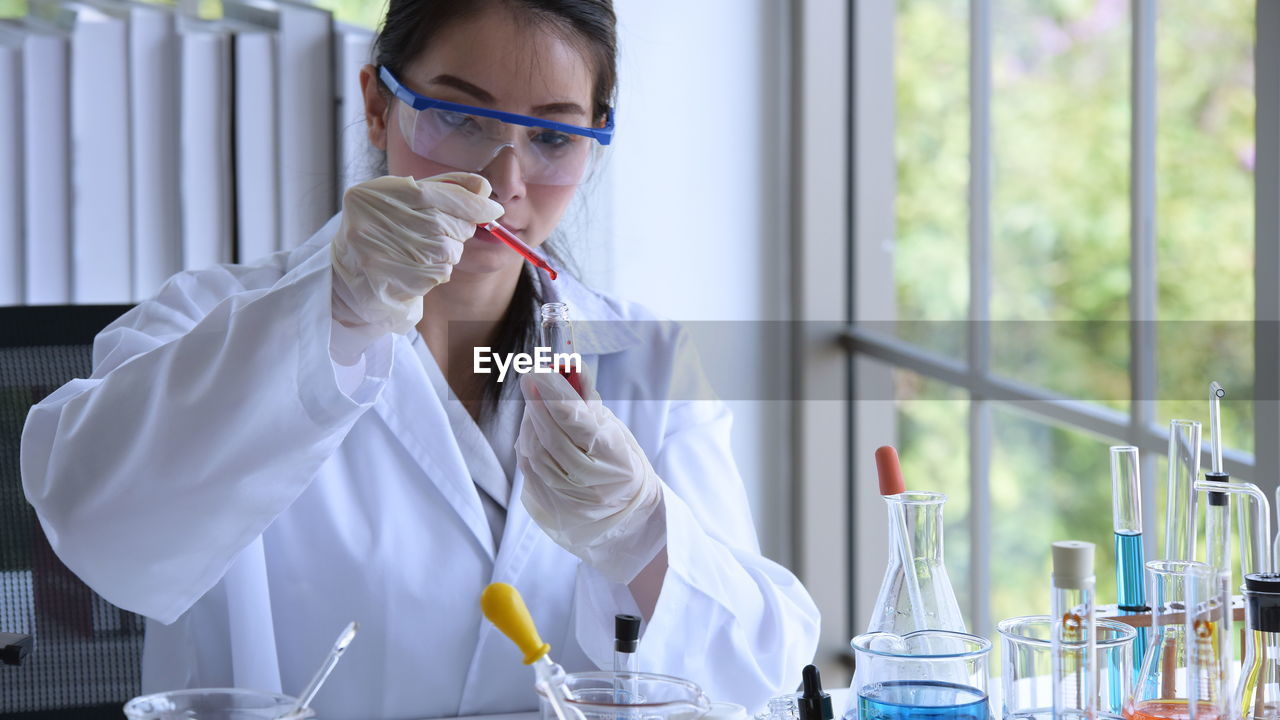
(484, 96)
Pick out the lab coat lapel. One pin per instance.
(418, 420)
(496, 676)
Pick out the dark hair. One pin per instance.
(590, 25)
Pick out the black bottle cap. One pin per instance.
(626, 633)
(1217, 499)
(1262, 582)
(813, 703)
(1262, 598)
(14, 648)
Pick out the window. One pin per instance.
(362, 13)
(1071, 207)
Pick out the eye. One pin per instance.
(553, 141)
(457, 121)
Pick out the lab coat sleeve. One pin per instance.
(739, 625)
(210, 409)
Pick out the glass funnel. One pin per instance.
(641, 696)
(916, 593)
(1182, 675)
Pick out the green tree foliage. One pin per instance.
(1060, 251)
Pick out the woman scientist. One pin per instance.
(266, 452)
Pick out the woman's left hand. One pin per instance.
(587, 482)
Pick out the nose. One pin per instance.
(505, 176)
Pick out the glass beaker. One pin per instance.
(1258, 694)
(1181, 675)
(1026, 666)
(924, 675)
(916, 594)
(214, 704)
(611, 695)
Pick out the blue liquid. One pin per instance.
(921, 701)
(1129, 589)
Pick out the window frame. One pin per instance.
(871, 356)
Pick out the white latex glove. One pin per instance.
(400, 238)
(587, 483)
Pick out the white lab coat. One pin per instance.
(214, 476)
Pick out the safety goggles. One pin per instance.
(468, 138)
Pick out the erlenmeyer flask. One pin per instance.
(1181, 676)
(916, 594)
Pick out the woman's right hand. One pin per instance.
(400, 238)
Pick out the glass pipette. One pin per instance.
(1216, 393)
(1126, 512)
(519, 246)
(513, 242)
(889, 473)
(339, 647)
(502, 605)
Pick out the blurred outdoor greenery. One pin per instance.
(365, 13)
(1060, 141)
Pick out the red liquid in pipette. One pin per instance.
(519, 246)
(512, 241)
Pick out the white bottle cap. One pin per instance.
(1073, 564)
(726, 711)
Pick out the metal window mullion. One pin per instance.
(1142, 243)
(1088, 416)
(1266, 422)
(979, 335)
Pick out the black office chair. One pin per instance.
(86, 658)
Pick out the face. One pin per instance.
(491, 61)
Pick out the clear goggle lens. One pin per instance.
(471, 142)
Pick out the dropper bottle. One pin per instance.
(814, 704)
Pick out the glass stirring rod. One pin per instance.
(330, 662)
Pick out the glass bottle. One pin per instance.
(1258, 694)
(916, 593)
(1181, 676)
(555, 333)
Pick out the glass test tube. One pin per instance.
(1074, 678)
(556, 334)
(1180, 503)
(1126, 499)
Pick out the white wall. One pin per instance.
(695, 199)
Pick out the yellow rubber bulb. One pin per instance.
(504, 607)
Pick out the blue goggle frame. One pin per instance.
(602, 135)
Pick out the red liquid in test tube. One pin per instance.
(568, 372)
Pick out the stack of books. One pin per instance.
(138, 140)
